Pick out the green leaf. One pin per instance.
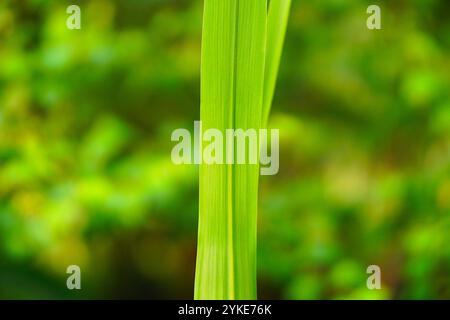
(276, 31)
(232, 97)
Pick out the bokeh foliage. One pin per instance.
(86, 176)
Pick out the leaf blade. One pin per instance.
(276, 31)
(233, 54)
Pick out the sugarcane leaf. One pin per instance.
(276, 30)
(232, 80)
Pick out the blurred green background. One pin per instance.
(86, 176)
